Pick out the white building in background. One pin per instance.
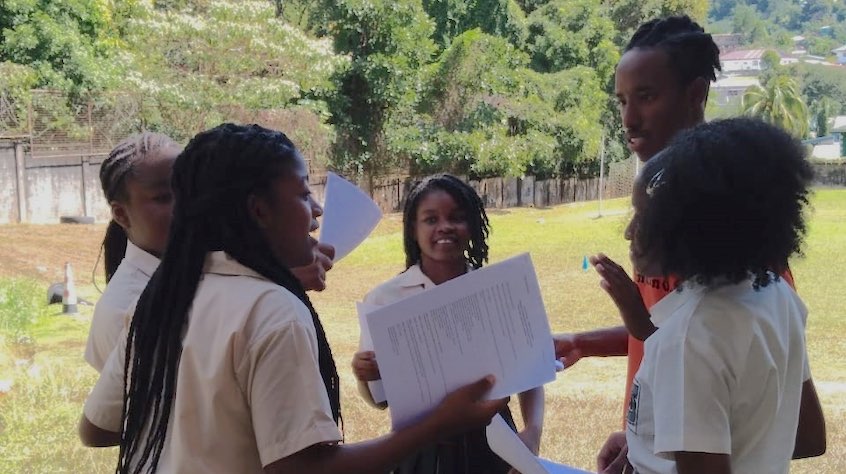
(841, 54)
(731, 88)
(743, 61)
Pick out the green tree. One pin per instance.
(627, 15)
(771, 60)
(780, 103)
(819, 82)
(569, 33)
(71, 44)
(822, 110)
(388, 43)
(503, 18)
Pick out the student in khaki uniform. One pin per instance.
(136, 183)
(445, 230)
(226, 367)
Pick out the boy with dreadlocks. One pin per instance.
(661, 83)
(445, 230)
(725, 384)
(136, 183)
(226, 367)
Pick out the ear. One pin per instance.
(697, 92)
(259, 210)
(120, 214)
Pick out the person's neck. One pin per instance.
(440, 272)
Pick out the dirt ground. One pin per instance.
(40, 251)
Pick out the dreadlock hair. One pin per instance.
(116, 168)
(692, 52)
(727, 203)
(466, 199)
(213, 179)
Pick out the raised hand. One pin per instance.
(313, 276)
(623, 291)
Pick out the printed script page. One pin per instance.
(488, 321)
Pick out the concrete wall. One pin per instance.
(8, 184)
(70, 186)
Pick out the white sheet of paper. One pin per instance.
(505, 443)
(488, 321)
(349, 216)
(377, 389)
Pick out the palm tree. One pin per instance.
(779, 103)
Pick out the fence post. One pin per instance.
(86, 206)
(20, 173)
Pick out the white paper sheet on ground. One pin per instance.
(377, 390)
(505, 443)
(349, 216)
(489, 321)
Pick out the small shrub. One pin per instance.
(19, 309)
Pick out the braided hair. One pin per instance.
(212, 181)
(466, 199)
(692, 52)
(114, 171)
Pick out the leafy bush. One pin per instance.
(20, 308)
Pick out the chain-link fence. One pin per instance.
(55, 124)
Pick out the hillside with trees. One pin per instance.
(368, 87)
(802, 88)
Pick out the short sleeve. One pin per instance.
(288, 401)
(692, 396)
(104, 405)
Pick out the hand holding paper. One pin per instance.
(489, 321)
(349, 216)
(377, 390)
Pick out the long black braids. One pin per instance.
(212, 180)
(114, 171)
(692, 52)
(466, 198)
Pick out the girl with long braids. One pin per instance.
(136, 183)
(445, 230)
(225, 366)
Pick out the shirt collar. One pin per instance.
(221, 263)
(143, 260)
(668, 305)
(414, 276)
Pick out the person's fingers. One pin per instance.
(619, 462)
(324, 263)
(326, 250)
(479, 388)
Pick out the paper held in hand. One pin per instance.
(488, 321)
(349, 216)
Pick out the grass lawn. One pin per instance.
(38, 414)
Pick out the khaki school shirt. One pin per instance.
(249, 390)
(112, 308)
(407, 283)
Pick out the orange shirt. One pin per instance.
(652, 290)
